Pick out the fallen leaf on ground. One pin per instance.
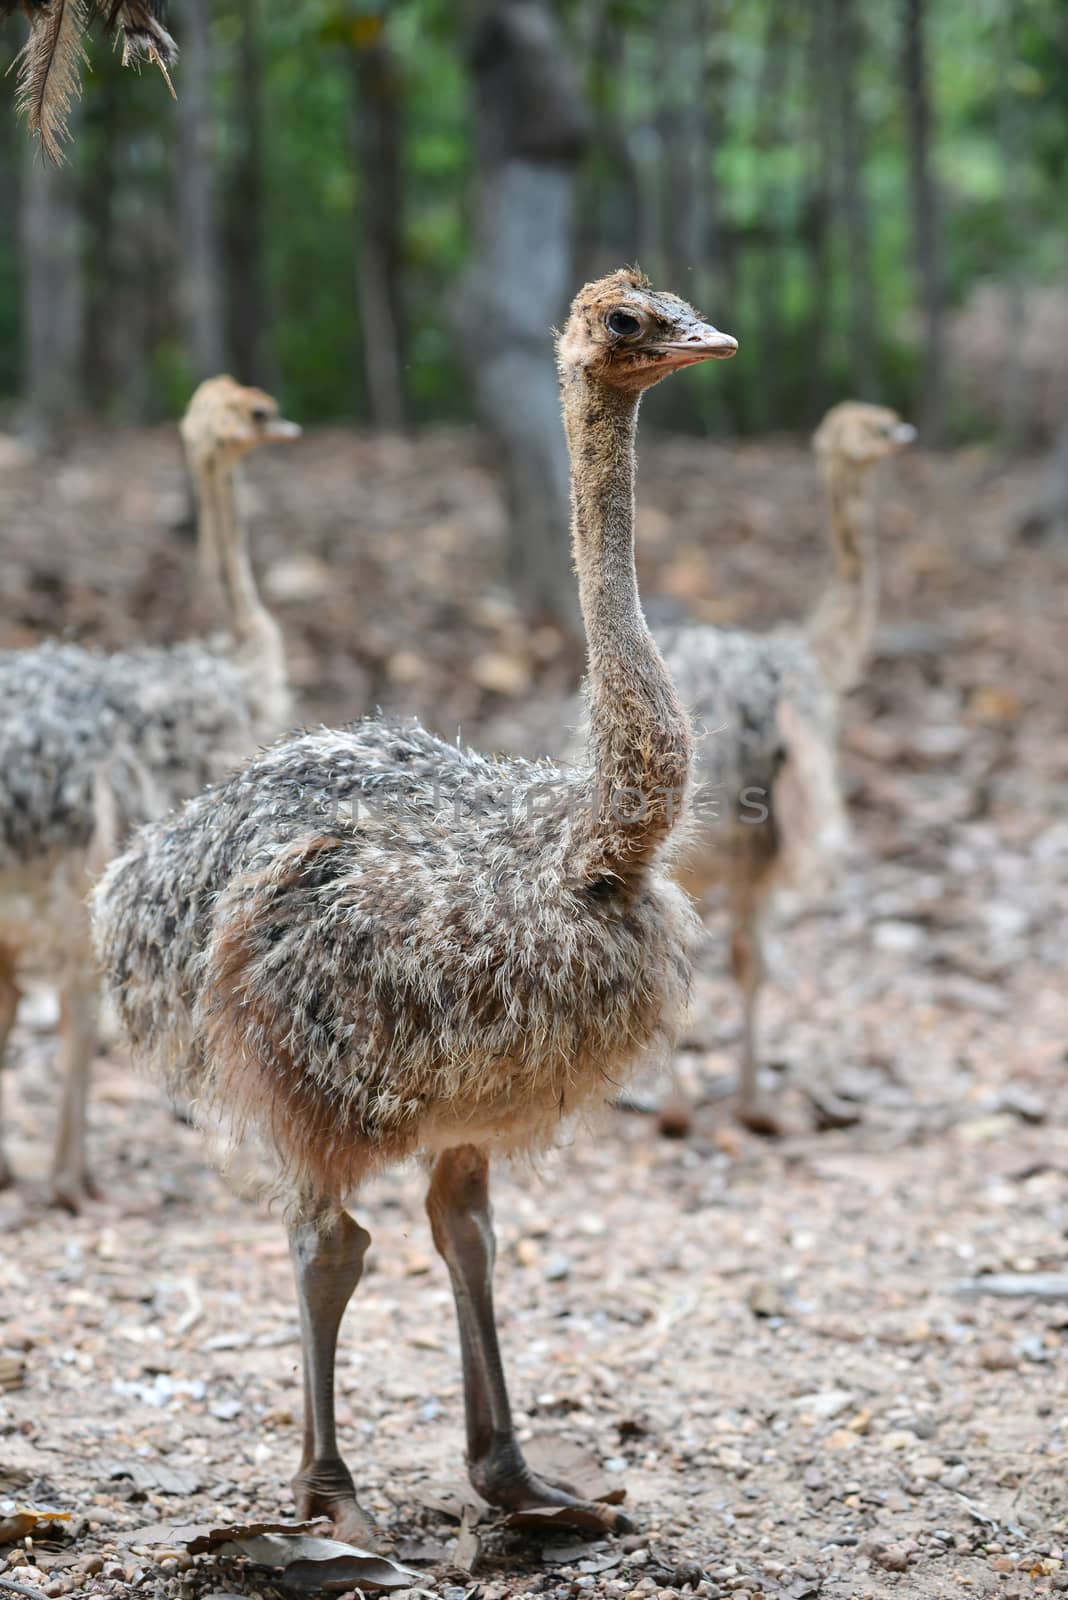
(547, 1518)
(17, 1520)
(155, 1477)
(12, 1372)
(310, 1564)
(196, 1537)
(453, 1500)
(468, 1544)
(566, 1462)
(1017, 1285)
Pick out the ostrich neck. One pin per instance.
(851, 535)
(639, 735)
(223, 544)
(844, 622)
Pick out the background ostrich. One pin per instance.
(92, 745)
(769, 809)
(371, 943)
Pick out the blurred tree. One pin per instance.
(246, 226)
(98, 177)
(926, 216)
(52, 299)
(532, 127)
(306, 210)
(819, 144)
(847, 61)
(200, 277)
(377, 144)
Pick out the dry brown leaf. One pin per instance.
(571, 1463)
(452, 1500)
(12, 1372)
(18, 1519)
(196, 1537)
(312, 1565)
(468, 1550)
(546, 1519)
(155, 1477)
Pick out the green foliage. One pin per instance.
(731, 108)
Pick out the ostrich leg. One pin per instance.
(71, 1184)
(461, 1221)
(9, 1000)
(327, 1253)
(749, 967)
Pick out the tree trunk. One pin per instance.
(200, 291)
(816, 219)
(11, 154)
(101, 132)
(681, 44)
(380, 249)
(926, 216)
(848, 51)
(608, 226)
(769, 274)
(52, 299)
(532, 129)
(247, 294)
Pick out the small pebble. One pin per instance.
(891, 1557)
(997, 1355)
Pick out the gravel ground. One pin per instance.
(832, 1366)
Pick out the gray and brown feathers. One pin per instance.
(50, 62)
(371, 942)
(151, 726)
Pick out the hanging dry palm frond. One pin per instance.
(49, 63)
(142, 24)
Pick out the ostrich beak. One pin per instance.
(904, 433)
(279, 428)
(701, 342)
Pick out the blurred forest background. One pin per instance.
(870, 197)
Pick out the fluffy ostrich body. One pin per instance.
(769, 811)
(373, 944)
(94, 745)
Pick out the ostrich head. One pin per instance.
(623, 333)
(861, 434)
(224, 421)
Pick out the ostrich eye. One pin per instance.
(621, 322)
(260, 414)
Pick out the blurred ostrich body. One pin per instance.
(372, 944)
(93, 745)
(769, 811)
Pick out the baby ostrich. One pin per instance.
(372, 944)
(769, 810)
(92, 745)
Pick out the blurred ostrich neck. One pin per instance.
(843, 623)
(223, 544)
(639, 735)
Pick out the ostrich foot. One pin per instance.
(73, 1191)
(759, 1115)
(325, 1489)
(503, 1478)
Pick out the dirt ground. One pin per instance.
(812, 1364)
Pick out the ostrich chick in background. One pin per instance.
(367, 944)
(769, 811)
(92, 745)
